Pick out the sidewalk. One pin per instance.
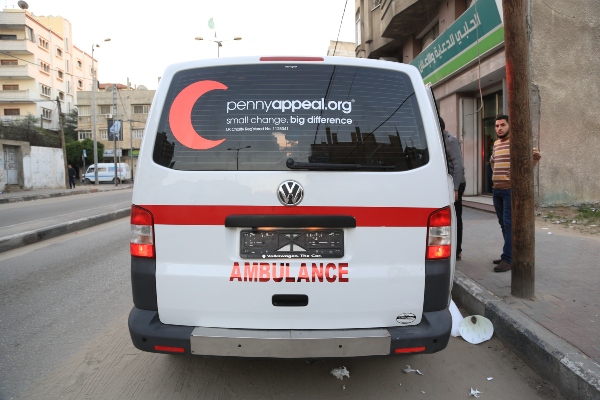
(558, 331)
(27, 195)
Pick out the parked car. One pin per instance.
(106, 173)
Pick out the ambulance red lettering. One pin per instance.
(317, 272)
(235, 273)
(282, 269)
(303, 274)
(343, 270)
(288, 278)
(327, 268)
(264, 272)
(250, 273)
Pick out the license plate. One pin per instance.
(292, 243)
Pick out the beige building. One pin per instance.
(341, 49)
(458, 47)
(132, 110)
(38, 64)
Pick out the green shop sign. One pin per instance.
(474, 33)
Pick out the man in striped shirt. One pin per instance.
(500, 162)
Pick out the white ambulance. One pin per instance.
(292, 207)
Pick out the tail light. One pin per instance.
(142, 233)
(439, 234)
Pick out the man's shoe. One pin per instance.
(503, 267)
(497, 261)
(459, 256)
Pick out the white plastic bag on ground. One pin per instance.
(456, 319)
(476, 329)
(340, 373)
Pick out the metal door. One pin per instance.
(11, 165)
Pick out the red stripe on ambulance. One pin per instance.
(281, 272)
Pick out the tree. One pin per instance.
(75, 151)
(70, 127)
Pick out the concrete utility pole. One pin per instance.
(61, 122)
(521, 148)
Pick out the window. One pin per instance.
(10, 87)
(79, 84)
(106, 110)
(85, 135)
(8, 37)
(59, 52)
(46, 113)
(9, 62)
(69, 87)
(61, 96)
(12, 111)
(67, 44)
(84, 111)
(79, 64)
(43, 43)
(45, 67)
(371, 118)
(60, 75)
(46, 90)
(357, 37)
(29, 34)
(104, 134)
(68, 67)
(141, 109)
(430, 36)
(376, 3)
(138, 133)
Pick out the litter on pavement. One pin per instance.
(340, 373)
(474, 392)
(409, 369)
(476, 329)
(456, 319)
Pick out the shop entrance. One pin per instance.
(492, 106)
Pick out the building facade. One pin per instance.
(132, 107)
(38, 64)
(458, 46)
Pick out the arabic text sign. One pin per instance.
(481, 22)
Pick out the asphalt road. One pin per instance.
(30, 215)
(63, 322)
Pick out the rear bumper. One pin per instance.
(147, 331)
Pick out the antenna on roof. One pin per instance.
(23, 5)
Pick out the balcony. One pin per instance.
(27, 71)
(399, 20)
(18, 96)
(19, 46)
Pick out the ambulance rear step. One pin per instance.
(290, 343)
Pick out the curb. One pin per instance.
(29, 197)
(575, 375)
(26, 238)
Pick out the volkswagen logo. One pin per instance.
(290, 193)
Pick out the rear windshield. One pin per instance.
(274, 117)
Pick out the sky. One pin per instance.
(147, 36)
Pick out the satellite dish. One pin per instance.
(142, 87)
(23, 5)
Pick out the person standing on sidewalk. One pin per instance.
(456, 169)
(72, 175)
(500, 162)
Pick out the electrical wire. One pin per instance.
(340, 29)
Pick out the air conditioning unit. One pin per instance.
(108, 116)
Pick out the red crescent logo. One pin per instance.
(180, 116)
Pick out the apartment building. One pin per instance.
(132, 107)
(38, 64)
(458, 47)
